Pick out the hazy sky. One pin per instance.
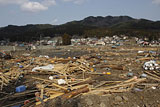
(21, 12)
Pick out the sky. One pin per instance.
(55, 12)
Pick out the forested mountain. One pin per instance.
(90, 26)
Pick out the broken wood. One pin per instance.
(51, 82)
(126, 84)
(75, 92)
(117, 67)
(51, 97)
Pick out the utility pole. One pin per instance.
(40, 38)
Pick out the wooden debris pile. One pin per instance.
(8, 76)
(67, 78)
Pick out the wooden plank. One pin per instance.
(75, 92)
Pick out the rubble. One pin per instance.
(104, 71)
(151, 65)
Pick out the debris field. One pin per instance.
(124, 76)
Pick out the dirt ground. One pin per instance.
(126, 55)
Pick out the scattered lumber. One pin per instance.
(77, 76)
(152, 76)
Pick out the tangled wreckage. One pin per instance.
(27, 81)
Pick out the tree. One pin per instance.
(66, 39)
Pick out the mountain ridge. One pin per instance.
(79, 27)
